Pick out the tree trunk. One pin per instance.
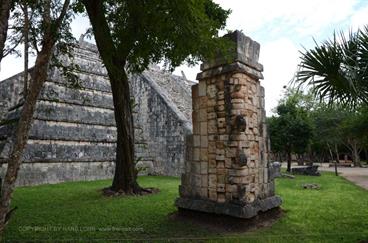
(355, 155)
(4, 18)
(38, 78)
(330, 151)
(300, 160)
(332, 157)
(14, 161)
(125, 177)
(288, 161)
(337, 160)
(26, 47)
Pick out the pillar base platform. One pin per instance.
(245, 211)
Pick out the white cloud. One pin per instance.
(306, 16)
(280, 60)
(360, 18)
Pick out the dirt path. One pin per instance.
(359, 176)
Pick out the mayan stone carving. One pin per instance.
(227, 170)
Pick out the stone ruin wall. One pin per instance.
(227, 170)
(73, 134)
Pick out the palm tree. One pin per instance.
(337, 70)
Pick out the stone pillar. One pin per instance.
(227, 170)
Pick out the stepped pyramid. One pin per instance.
(73, 133)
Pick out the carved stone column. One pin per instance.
(227, 170)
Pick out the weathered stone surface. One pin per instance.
(312, 186)
(306, 170)
(75, 123)
(246, 211)
(51, 173)
(274, 170)
(228, 110)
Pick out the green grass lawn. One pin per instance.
(338, 212)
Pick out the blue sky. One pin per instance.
(282, 27)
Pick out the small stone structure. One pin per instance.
(73, 135)
(306, 170)
(227, 170)
(311, 186)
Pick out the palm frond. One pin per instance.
(337, 69)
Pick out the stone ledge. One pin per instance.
(236, 67)
(235, 210)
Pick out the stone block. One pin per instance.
(211, 156)
(196, 141)
(228, 163)
(221, 122)
(195, 91)
(211, 115)
(231, 152)
(212, 194)
(203, 154)
(204, 192)
(220, 95)
(204, 128)
(221, 197)
(196, 154)
(220, 187)
(204, 141)
(221, 164)
(231, 188)
(212, 170)
(221, 178)
(197, 181)
(212, 127)
(202, 115)
(204, 167)
(205, 181)
(211, 91)
(211, 103)
(224, 137)
(202, 88)
(211, 147)
(196, 167)
(202, 101)
(196, 128)
(250, 197)
(212, 181)
(239, 172)
(212, 164)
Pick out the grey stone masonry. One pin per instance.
(227, 169)
(73, 134)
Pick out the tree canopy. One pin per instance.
(130, 34)
(291, 130)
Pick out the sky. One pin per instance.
(283, 28)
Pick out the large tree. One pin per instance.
(327, 134)
(49, 27)
(354, 130)
(130, 34)
(291, 130)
